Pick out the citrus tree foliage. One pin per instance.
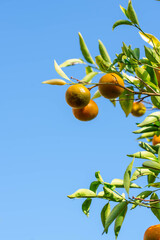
(142, 80)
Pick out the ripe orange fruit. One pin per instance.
(155, 140)
(152, 233)
(109, 89)
(157, 72)
(138, 109)
(77, 96)
(86, 113)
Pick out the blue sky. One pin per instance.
(46, 153)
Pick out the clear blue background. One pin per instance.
(46, 153)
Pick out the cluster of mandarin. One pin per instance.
(110, 86)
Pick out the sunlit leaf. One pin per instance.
(141, 195)
(88, 77)
(149, 38)
(103, 52)
(121, 22)
(59, 71)
(55, 82)
(144, 155)
(86, 206)
(126, 101)
(84, 50)
(153, 117)
(127, 176)
(131, 13)
(71, 62)
(152, 165)
(96, 94)
(82, 193)
(140, 173)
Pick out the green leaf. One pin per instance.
(151, 178)
(144, 155)
(137, 53)
(124, 11)
(147, 147)
(86, 206)
(119, 221)
(59, 71)
(71, 62)
(156, 101)
(146, 135)
(151, 55)
(96, 94)
(119, 183)
(121, 22)
(127, 176)
(84, 50)
(156, 185)
(126, 101)
(94, 186)
(153, 117)
(159, 154)
(155, 208)
(103, 52)
(114, 214)
(149, 38)
(88, 77)
(112, 196)
(142, 195)
(88, 69)
(105, 213)
(153, 165)
(83, 193)
(57, 82)
(102, 64)
(147, 129)
(98, 176)
(132, 14)
(143, 74)
(140, 173)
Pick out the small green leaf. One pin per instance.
(140, 173)
(127, 176)
(71, 62)
(147, 147)
(84, 50)
(132, 14)
(114, 214)
(119, 221)
(124, 11)
(57, 82)
(103, 52)
(83, 193)
(111, 196)
(96, 94)
(147, 129)
(119, 183)
(146, 135)
(143, 74)
(151, 55)
(121, 22)
(126, 101)
(86, 206)
(153, 117)
(102, 64)
(88, 69)
(59, 71)
(151, 178)
(88, 77)
(155, 208)
(94, 186)
(156, 185)
(105, 213)
(159, 154)
(98, 176)
(144, 155)
(153, 165)
(156, 101)
(142, 195)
